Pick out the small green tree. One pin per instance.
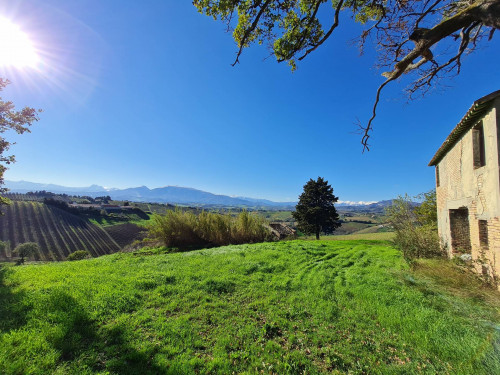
(315, 212)
(426, 212)
(415, 226)
(26, 250)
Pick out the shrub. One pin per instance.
(78, 255)
(249, 229)
(415, 226)
(26, 250)
(3, 246)
(215, 228)
(185, 229)
(176, 229)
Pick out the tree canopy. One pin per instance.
(405, 32)
(315, 212)
(17, 121)
(25, 250)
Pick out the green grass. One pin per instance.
(379, 236)
(299, 307)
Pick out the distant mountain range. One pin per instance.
(178, 195)
(373, 207)
(167, 194)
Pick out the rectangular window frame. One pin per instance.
(460, 230)
(483, 233)
(478, 147)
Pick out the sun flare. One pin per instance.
(16, 48)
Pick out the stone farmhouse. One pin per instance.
(468, 186)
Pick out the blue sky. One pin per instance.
(143, 93)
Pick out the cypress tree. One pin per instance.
(315, 212)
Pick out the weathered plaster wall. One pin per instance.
(461, 185)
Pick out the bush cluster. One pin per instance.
(184, 229)
(415, 226)
(78, 255)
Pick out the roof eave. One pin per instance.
(476, 111)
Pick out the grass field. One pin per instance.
(380, 236)
(299, 307)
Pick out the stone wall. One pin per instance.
(462, 186)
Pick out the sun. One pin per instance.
(16, 49)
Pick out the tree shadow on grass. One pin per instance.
(12, 310)
(80, 340)
(63, 323)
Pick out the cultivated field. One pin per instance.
(57, 232)
(22, 197)
(298, 307)
(125, 234)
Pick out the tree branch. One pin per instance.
(368, 128)
(327, 35)
(304, 34)
(248, 32)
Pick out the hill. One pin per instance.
(57, 232)
(182, 195)
(300, 307)
(166, 194)
(377, 207)
(126, 233)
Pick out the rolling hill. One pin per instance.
(57, 232)
(166, 194)
(182, 195)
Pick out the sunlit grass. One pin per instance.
(381, 236)
(299, 307)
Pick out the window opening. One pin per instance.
(460, 230)
(483, 233)
(478, 146)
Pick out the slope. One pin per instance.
(57, 232)
(299, 307)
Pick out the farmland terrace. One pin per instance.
(57, 232)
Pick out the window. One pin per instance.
(483, 233)
(437, 176)
(478, 146)
(460, 232)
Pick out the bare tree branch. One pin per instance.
(442, 32)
